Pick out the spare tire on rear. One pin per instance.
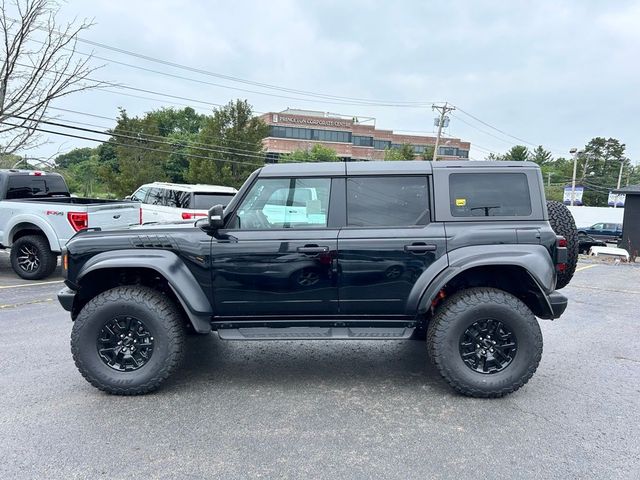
(563, 224)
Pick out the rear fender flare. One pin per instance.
(534, 259)
(13, 227)
(185, 286)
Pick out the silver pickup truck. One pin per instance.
(38, 216)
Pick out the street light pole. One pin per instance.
(574, 153)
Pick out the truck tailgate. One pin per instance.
(114, 215)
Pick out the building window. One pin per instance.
(463, 153)
(448, 151)
(310, 134)
(361, 141)
(381, 144)
(396, 146)
(418, 149)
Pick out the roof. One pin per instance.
(194, 188)
(398, 167)
(629, 190)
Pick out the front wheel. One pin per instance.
(485, 342)
(31, 258)
(128, 340)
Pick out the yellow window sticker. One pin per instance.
(461, 202)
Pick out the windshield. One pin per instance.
(204, 201)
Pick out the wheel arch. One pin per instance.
(522, 270)
(162, 270)
(29, 225)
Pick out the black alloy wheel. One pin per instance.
(125, 343)
(488, 346)
(28, 258)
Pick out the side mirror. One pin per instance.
(216, 217)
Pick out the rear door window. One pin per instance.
(387, 201)
(156, 196)
(489, 195)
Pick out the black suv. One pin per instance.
(461, 254)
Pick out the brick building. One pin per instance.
(292, 130)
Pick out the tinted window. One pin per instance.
(285, 203)
(387, 201)
(204, 201)
(156, 196)
(27, 186)
(489, 195)
(140, 194)
(177, 198)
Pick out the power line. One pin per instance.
(355, 100)
(137, 138)
(37, 129)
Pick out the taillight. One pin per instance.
(140, 222)
(561, 253)
(191, 216)
(78, 220)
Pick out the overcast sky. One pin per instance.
(548, 72)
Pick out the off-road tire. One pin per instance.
(456, 314)
(163, 320)
(47, 260)
(563, 224)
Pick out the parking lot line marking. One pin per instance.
(2, 287)
(585, 267)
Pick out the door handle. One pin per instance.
(418, 248)
(312, 249)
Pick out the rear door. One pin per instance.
(388, 242)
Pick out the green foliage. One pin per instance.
(405, 152)
(518, 153)
(75, 156)
(541, 156)
(9, 160)
(428, 152)
(236, 136)
(318, 153)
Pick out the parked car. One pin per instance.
(38, 216)
(462, 255)
(585, 242)
(609, 232)
(170, 202)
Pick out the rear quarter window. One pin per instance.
(489, 195)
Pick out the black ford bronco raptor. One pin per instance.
(463, 254)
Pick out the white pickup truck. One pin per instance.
(38, 216)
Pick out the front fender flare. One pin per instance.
(171, 267)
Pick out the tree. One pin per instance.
(599, 166)
(36, 72)
(541, 156)
(405, 152)
(518, 153)
(234, 146)
(428, 152)
(75, 156)
(317, 153)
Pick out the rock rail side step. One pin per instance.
(316, 333)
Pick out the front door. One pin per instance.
(388, 242)
(277, 255)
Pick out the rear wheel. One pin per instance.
(128, 340)
(31, 258)
(563, 224)
(485, 342)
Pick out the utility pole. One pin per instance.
(615, 199)
(443, 112)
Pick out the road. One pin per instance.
(326, 409)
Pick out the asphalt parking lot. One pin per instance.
(326, 409)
